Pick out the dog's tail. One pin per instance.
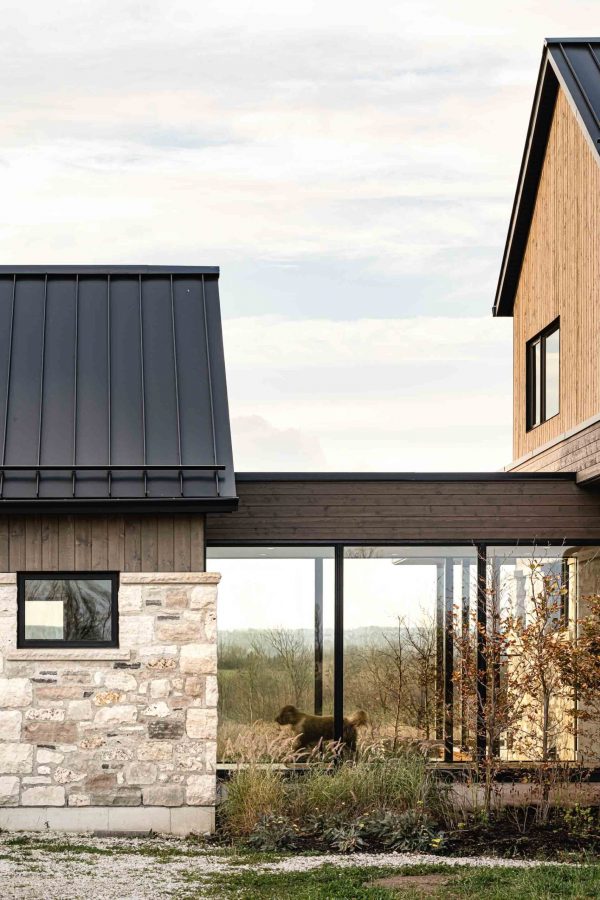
(358, 718)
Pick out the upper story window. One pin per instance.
(543, 375)
(67, 610)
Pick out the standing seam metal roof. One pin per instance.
(112, 387)
(574, 64)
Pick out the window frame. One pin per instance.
(530, 382)
(38, 643)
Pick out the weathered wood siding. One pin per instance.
(572, 452)
(561, 277)
(304, 511)
(128, 543)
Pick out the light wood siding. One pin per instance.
(561, 277)
(124, 543)
(396, 511)
(574, 452)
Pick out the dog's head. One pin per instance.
(288, 715)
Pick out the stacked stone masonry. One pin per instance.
(106, 728)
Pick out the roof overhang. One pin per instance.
(572, 64)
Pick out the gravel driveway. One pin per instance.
(81, 867)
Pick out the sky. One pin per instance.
(350, 167)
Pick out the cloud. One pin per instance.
(413, 394)
(262, 447)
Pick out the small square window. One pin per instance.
(543, 376)
(68, 610)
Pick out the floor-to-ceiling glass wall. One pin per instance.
(542, 606)
(407, 611)
(275, 643)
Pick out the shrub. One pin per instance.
(386, 801)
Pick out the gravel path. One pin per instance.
(61, 867)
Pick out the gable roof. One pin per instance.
(112, 389)
(574, 65)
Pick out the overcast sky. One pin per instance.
(350, 166)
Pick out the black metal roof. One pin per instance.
(574, 65)
(112, 389)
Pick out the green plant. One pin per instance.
(581, 820)
(411, 830)
(274, 833)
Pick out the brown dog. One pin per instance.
(311, 730)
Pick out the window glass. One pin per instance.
(405, 612)
(537, 383)
(275, 643)
(552, 373)
(67, 610)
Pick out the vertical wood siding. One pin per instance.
(561, 277)
(101, 543)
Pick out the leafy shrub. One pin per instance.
(273, 833)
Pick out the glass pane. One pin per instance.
(552, 373)
(68, 609)
(406, 611)
(539, 601)
(536, 371)
(275, 644)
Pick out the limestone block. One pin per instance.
(117, 680)
(203, 596)
(163, 795)
(200, 790)
(43, 795)
(108, 698)
(158, 710)
(10, 724)
(140, 773)
(44, 770)
(8, 634)
(36, 779)
(130, 598)
(48, 757)
(9, 790)
(66, 776)
(79, 799)
(165, 730)
(101, 782)
(180, 629)
(8, 600)
(115, 715)
(176, 598)
(135, 631)
(201, 724)
(92, 743)
(15, 692)
(210, 625)
(194, 686)
(150, 652)
(59, 692)
(190, 755)
(159, 688)
(50, 732)
(116, 754)
(199, 659)
(79, 710)
(210, 757)
(154, 751)
(16, 759)
(46, 714)
(161, 663)
(211, 696)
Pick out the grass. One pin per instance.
(355, 883)
(351, 789)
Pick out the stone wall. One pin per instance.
(115, 739)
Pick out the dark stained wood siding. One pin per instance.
(128, 543)
(507, 509)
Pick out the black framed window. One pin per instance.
(543, 376)
(62, 609)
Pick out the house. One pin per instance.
(121, 517)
